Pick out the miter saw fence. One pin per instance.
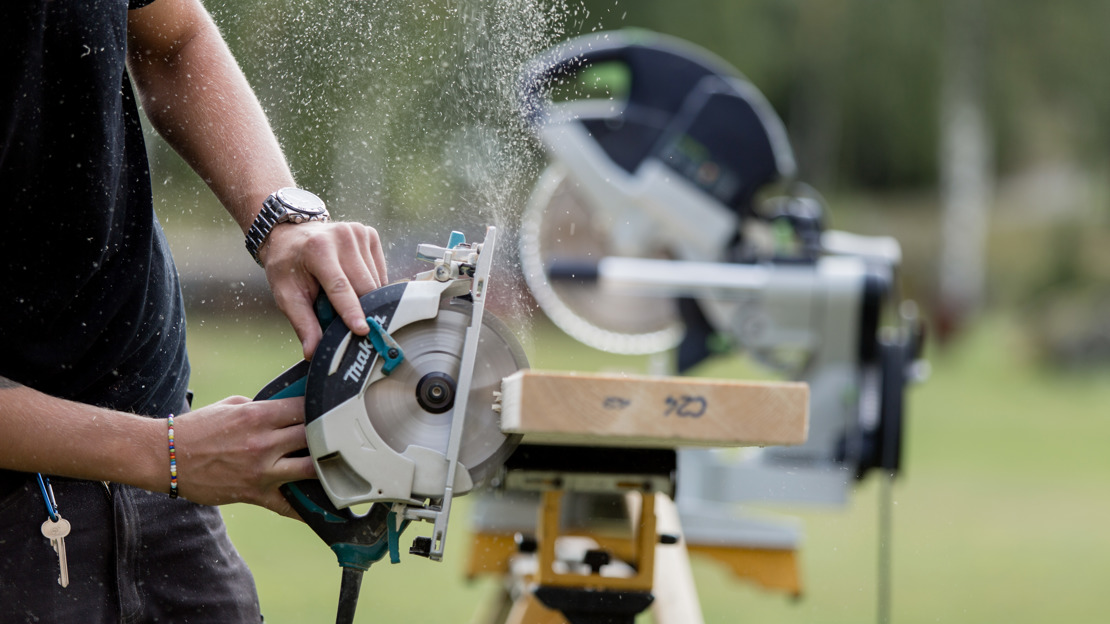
(402, 419)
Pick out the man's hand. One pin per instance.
(346, 259)
(237, 451)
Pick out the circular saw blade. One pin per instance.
(435, 346)
(559, 225)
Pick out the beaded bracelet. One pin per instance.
(173, 460)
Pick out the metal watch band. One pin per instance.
(274, 212)
(263, 224)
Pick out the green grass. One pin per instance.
(1001, 515)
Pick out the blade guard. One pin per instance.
(353, 462)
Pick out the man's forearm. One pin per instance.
(195, 95)
(235, 450)
(41, 433)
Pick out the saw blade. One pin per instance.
(558, 226)
(411, 406)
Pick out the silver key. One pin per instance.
(56, 532)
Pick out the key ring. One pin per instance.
(48, 497)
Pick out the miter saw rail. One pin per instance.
(402, 419)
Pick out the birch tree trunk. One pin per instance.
(966, 167)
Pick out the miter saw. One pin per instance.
(668, 219)
(402, 418)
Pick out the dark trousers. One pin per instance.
(134, 556)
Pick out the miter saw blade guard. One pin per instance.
(685, 108)
(670, 170)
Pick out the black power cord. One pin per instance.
(886, 533)
(348, 595)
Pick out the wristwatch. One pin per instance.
(286, 205)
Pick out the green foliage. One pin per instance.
(370, 98)
(858, 81)
(392, 111)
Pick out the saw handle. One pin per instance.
(358, 541)
(325, 312)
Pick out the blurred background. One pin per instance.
(976, 132)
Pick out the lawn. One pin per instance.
(1001, 514)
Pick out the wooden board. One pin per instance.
(663, 412)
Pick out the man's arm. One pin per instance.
(232, 451)
(195, 95)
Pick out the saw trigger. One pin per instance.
(325, 312)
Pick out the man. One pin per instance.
(92, 340)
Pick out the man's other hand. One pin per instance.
(240, 451)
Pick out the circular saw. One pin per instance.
(403, 418)
(411, 407)
(405, 415)
(379, 429)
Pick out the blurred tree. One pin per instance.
(364, 94)
(858, 81)
(966, 160)
(855, 81)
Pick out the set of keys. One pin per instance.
(55, 529)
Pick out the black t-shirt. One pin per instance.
(90, 305)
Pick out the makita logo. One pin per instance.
(354, 371)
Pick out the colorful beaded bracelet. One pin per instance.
(173, 460)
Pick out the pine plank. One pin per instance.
(665, 412)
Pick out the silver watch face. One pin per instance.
(301, 201)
